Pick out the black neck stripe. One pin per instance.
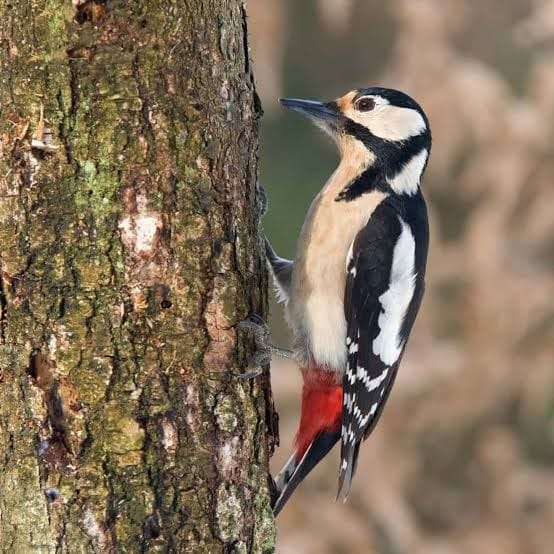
(390, 158)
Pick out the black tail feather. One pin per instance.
(294, 472)
(346, 474)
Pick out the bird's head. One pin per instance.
(379, 127)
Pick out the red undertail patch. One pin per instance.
(321, 407)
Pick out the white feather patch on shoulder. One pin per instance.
(396, 299)
(406, 181)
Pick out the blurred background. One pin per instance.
(462, 460)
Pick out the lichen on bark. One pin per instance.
(130, 250)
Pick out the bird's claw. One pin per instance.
(264, 349)
(259, 328)
(252, 374)
(262, 199)
(262, 355)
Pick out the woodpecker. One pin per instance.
(353, 291)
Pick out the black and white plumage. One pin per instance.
(355, 286)
(384, 288)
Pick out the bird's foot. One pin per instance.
(262, 354)
(264, 350)
(262, 199)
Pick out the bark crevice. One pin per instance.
(130, 253)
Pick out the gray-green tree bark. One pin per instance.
(129, 250)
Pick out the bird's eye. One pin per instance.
(365, 104)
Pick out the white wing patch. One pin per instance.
(396, 299)
(353, 270)
(371, 384)
(350, 253)
(406, 181)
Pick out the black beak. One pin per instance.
(321, 112)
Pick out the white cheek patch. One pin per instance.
(388, 122)
(396, 299)
(406, 181)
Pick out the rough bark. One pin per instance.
(129, 249)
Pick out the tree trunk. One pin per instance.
(129, 249)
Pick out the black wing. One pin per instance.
(383, 292)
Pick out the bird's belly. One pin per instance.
(324, 326)
(315, 310)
